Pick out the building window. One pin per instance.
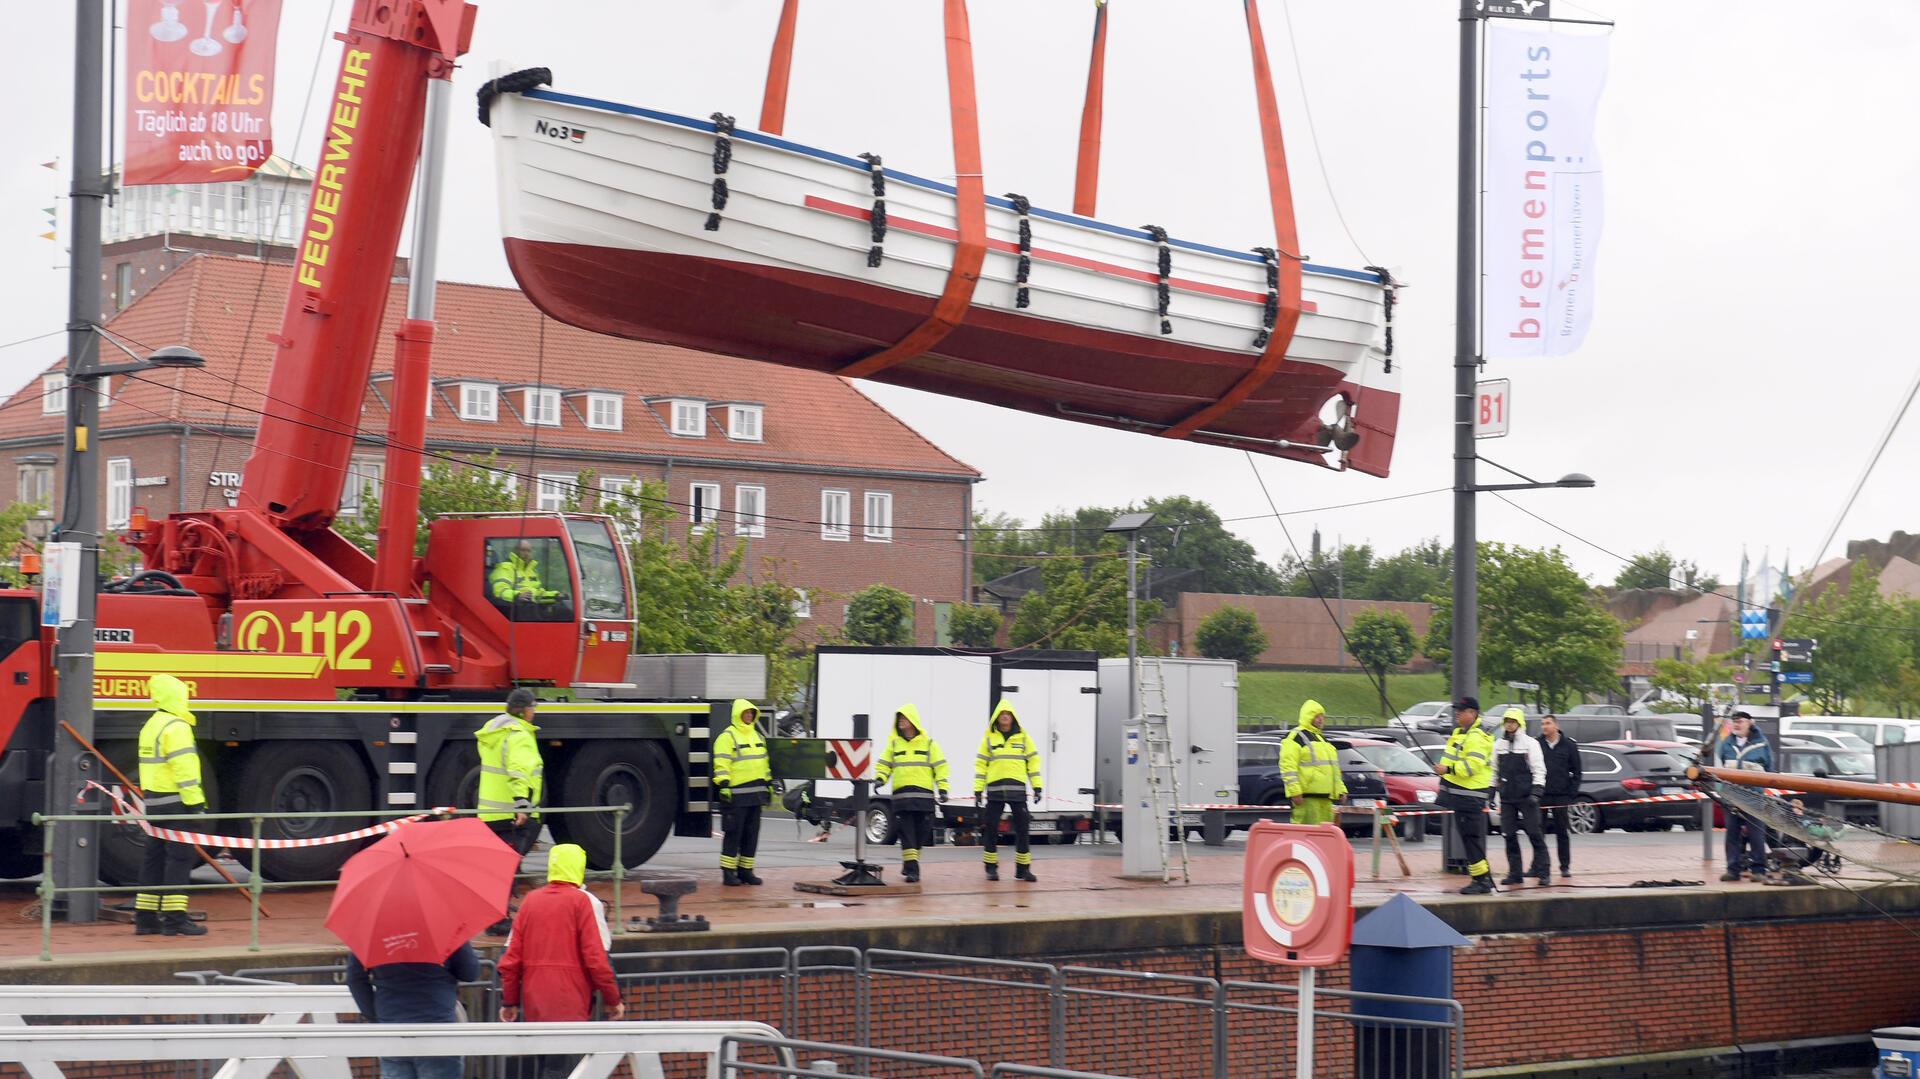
(105, 391)
(119, 491)
(543, 408)
(802, 606)
(122, 285)
(551, 494)
(619, 492)
(743, 423)
(479, 401)
(836, 515)
(53, 394)
(879, 517)
(36, 487)
(603, 411)
(690, 418)
(703, 503)
(363, 481)
(750, 511)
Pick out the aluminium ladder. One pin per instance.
(1163, 778)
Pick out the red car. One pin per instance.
(1410, 781)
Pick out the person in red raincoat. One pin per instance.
(556, 962)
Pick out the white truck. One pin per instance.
(1054, 692)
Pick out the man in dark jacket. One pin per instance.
(1562, 757)
(414, 993)
(1743, 746)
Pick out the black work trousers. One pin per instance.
(1517, 815)
(164, 868)
(915, 822)
(739, 831)
(1559, 821)
(521, 838)
(990, 828)
(1470, 820)
(1746, 844)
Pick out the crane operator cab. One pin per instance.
(550, 594)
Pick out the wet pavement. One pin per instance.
(1081, 878)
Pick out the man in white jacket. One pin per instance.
(1520, 772)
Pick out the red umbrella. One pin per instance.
(423, 890)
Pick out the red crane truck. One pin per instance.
(325, 678)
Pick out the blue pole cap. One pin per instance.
(1402, 923)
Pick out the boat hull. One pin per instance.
(607, 232)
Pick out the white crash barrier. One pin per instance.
(253, 1051)
(275, 1005)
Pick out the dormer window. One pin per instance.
(543, 407)
(743, 423)
(479, 401)
(690, 418)
(603, 411)
(53, 394)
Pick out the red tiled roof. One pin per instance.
(226, 307)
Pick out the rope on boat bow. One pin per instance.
(1387, 300)
(517, 82)
(1165, 264)
(1022, 207)
(1272, 309)
(877, 220)
(722, 158)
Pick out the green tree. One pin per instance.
(1414, 575)
(1000, 544)
(13, 541)
(880, 615)
(1346, 571)
(1380, 641)
(1658, 568)
(1687, 676)
(1861, 645)
(1186, 544)
(481, 485)
(1078, 607)
(1538, 623)
(973, 626)
(1231, 633)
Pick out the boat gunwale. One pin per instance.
(778, 143)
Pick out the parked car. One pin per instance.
(1618, 772)
(1420, 714)
(1842, 740)
(1423, 744)
(1584, 729)
(1411, 782)
(1595, 710)
(1260, 782)
(1880, 732)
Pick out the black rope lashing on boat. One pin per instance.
(1391, 297)
(516, 82)
(722, 157)
(1166, 270)
(878, 220)
(1271, 312)
(1022, 207)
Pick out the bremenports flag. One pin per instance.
(1543, 208)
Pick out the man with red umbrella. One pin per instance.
(406, 908)
(555, 962)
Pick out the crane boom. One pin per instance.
(325, 347)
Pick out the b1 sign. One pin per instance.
(1542, 212)
(1493, 408)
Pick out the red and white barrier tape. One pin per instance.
(124, 808)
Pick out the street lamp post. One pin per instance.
(1138, 847)
(1466, 563)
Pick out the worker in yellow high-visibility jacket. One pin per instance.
(1006, 766)
(742, 778)
(1466, 783)
(1310, 767)
(170, 782)
(517, 577)
(917, 767)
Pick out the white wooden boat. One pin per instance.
(606, 211)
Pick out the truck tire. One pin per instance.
(882, 830)
(610, 772)
(122, 846)
(282, 777)
(454, 779)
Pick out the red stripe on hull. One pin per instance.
(821, 322)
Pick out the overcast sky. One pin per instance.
(1751, 336)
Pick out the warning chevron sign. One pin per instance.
(850, 758)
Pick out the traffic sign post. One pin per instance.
(1493, 408)
(1296, 907)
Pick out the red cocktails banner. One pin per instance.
(199, 89)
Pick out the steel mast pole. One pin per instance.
(76, 858)
(1466, 317)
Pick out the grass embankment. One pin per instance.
(1343, 693)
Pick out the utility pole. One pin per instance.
(1466, 326)
(76, 860)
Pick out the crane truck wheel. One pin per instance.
(607, 773)
(122, 846)
(283, 777)
(454, 779)
(15, 862)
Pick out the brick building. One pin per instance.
(1299, 633)
(801, 467)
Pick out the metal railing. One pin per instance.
(256, 885)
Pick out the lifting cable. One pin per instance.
(773, 106)
(1286, 238)
(1086, 174)
(970, 210)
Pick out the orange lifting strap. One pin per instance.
(970, 209)
(1285, 235)
(1086, 176)
(773, 107)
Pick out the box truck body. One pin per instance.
(1203, 709)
